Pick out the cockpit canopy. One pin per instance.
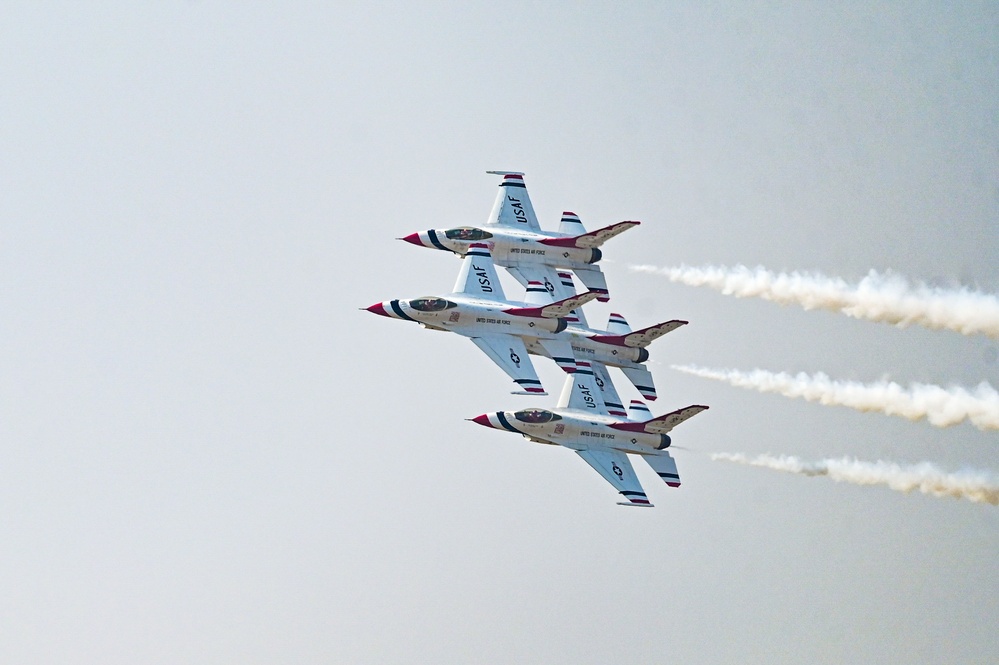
(536, 416)
(431, 304)
(467, 233)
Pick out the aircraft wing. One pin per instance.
(477, 276)
(513, 206)
(509, 352)
(616, 469)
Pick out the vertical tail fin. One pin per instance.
(477, 276)
(617, 325)
(638, 411)
(513, 206)
(571, 225)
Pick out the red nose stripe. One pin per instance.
(414, 238)
(378, 308)
(482, 420)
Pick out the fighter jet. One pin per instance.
(477, 309)
(582, 423)
(518, 243)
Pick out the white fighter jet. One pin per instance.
(582, 423)
(477, 309)
(509, 331)
(518, 243)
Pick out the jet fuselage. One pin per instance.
(510, 247)
(574, 429)
(472, 317)
(469, 316)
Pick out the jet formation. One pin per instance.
(590, 417)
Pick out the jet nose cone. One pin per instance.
(413, 238)
(481, 420)
(378, 308)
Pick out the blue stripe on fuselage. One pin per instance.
(505, 423)
(435, 241)
(398, 310)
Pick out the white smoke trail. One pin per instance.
(940, 406)
(886, 298)
(974, 485)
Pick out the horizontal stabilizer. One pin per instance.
(593, 279)
(641, 338)
(554, 310)
(665, 467)
(560, 350)
(590, 240)
(641, 377)
(564, 288)
(663, 424)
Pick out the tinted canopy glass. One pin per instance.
(430, 304)
(536, 416)
(467, 233)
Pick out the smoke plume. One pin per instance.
(974, 485)
(886, 298)
(940, 406)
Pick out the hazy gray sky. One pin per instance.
(210, 455)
